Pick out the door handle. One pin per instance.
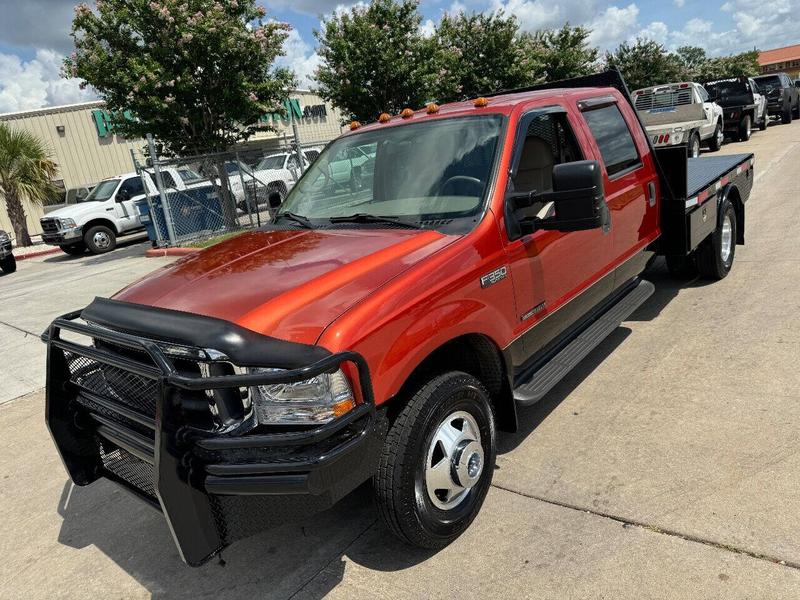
(651, 193)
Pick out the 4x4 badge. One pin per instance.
(494, 277)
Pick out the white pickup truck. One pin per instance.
(108, 211)
(680, 113)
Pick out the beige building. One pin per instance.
(86, 149)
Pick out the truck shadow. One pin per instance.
(128, 247)
(667, 288)
(305, 559)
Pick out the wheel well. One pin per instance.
(89, 224)
(477, 355)
(735, 198)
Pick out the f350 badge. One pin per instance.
(494, 277)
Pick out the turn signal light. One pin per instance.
(343, 407)
(481, 102)
(384, 118)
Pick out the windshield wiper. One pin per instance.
(299, 219)
(368, 218)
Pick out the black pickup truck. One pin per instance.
(8, 264)
(743, 107)
(783, 98)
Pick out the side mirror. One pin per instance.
(274, 199)
(578, 200)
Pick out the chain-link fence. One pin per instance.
(193, 198)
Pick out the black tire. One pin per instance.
(786, 116)
(715, 141)
(797, 110)
(694, 145)
(400, 486)
(711, 260)
(9, 264)
(74, 249)
(681, 267)
(745, 128)
(92, 238)
(762, 126)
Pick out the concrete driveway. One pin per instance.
(665, 466)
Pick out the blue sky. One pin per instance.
(34, 34)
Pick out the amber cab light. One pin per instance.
(432, 108)
(407, 113)
(354, 125)
(384, 118)
(481, 102)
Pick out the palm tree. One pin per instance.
(26, 171)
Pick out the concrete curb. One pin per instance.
(153, 252)
(35, 254)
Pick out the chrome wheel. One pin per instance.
(101, 240)
(720, 136)
(695, 147)
(454, 461)
(727, 239)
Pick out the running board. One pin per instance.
(546, 377)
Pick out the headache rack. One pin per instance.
(124, 409)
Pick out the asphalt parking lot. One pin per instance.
(665, 466)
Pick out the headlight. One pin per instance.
(68, 223)
(316, 400)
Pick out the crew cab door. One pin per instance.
(129, 192)
(709, 112)
(631, 182)
(550, 269)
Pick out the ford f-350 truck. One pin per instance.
(389, 328)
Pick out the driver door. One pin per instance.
(710, 120)
(130, 191)
(550, 269)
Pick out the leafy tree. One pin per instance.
(564, 52)
(197, 74)
(375, 59)
(26, 171)
(481, 53)
(692, 59)
(734, 65)
(644, 63)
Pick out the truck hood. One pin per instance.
(76, 211)
(289, 284)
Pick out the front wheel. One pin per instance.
(786, 116)
(100, 239)
(437, 462)
(762, 126)
(715, 142)
(715, 255)
(797, 110)
(8, 264)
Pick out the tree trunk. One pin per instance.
(226, 198)
(16, 214)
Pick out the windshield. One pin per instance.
(769, 81)
(427, 171)
(189, 176)
(271, 162)
(103, 191)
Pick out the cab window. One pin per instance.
(131, 187)
(613, 138)
(549, 141)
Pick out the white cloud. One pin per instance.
(300, 57)
(657, 30)
(36, 83)
(613, 25)
(539, 14)
(428, 28)
(679, 3)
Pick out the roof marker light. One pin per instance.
(384, 118)
(354, 125)
(407, 113)
(432, 108)
(481, 102)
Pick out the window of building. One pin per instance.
(613, 138)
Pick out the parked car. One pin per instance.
(108, 211)
(680, 113)
(8, 264)
(274, 173)
(386, 330)
(743, 105)
(783, 98)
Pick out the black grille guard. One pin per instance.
(182, 493)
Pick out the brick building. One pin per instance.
(781, 60)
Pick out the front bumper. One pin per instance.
(213, 488)
(64, 236)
